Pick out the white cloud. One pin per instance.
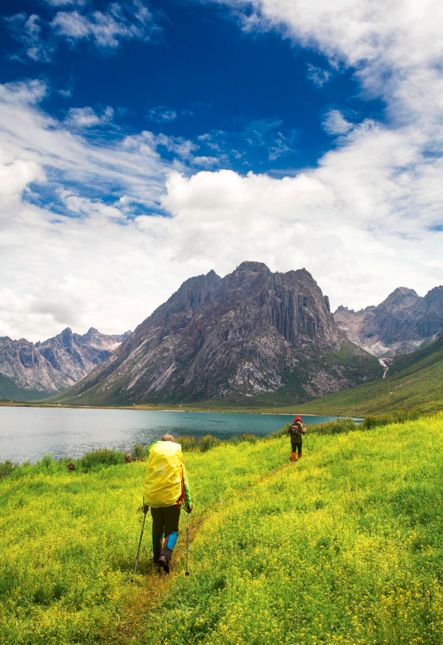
(15, 175)
(106, 28)
(27, 29)
(335, 123)
(318, 75)
(23, 92)
(162, 114)
(86, 117)
(26, 132)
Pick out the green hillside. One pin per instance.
(343, 546)
(415, 384)
(9, 391)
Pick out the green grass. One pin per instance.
(344, 546)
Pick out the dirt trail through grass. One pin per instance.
(154, 587)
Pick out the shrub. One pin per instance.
(6, 468)
(334, 427)
(46, 464)
(246, 437)
(138, 452)
(188, 443)
(99, 458)
(207, 442)
(398, 416)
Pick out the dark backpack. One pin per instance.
(296, 430)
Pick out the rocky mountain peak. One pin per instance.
(192, 294)
(92, 331)
(400, 297)
(241, 335)
(398, 325)
(252, 267)
(55, 363)
(435, 296)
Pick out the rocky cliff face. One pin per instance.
(400, 324)
(56, 363)
(248, 334)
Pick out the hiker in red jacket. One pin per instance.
(296, 432)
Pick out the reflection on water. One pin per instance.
(26, 434)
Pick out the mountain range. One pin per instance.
(252, 334)
(33, 370)
(398, 325)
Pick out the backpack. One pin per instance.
(296, 430)
(163, 481)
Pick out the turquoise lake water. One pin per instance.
(26, 434)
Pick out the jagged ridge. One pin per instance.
(51, 365)
(398, 325)
(248, 334)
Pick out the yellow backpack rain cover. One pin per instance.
(163, 481)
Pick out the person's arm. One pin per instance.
(187, 498)
(145, 507)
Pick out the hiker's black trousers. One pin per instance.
(164, 527)
(296, 447)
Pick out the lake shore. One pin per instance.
(284, 411)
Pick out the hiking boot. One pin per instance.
(164, 562)
(164, 565)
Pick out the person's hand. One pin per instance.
(188, 508)
(144, 508)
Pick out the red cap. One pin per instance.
(297, 419)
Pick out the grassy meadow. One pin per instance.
(343, 546)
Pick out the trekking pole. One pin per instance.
(187, 547)
(139, 544)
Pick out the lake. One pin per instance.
(27, 434)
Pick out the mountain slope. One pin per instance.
(414, 382)
(10, 391)
(400, 324)
(251, 334)
(33, 370)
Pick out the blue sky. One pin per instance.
(164, 139)
(249, 101)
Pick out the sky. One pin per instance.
(145, 142)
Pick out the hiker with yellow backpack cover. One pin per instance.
(165, 490)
